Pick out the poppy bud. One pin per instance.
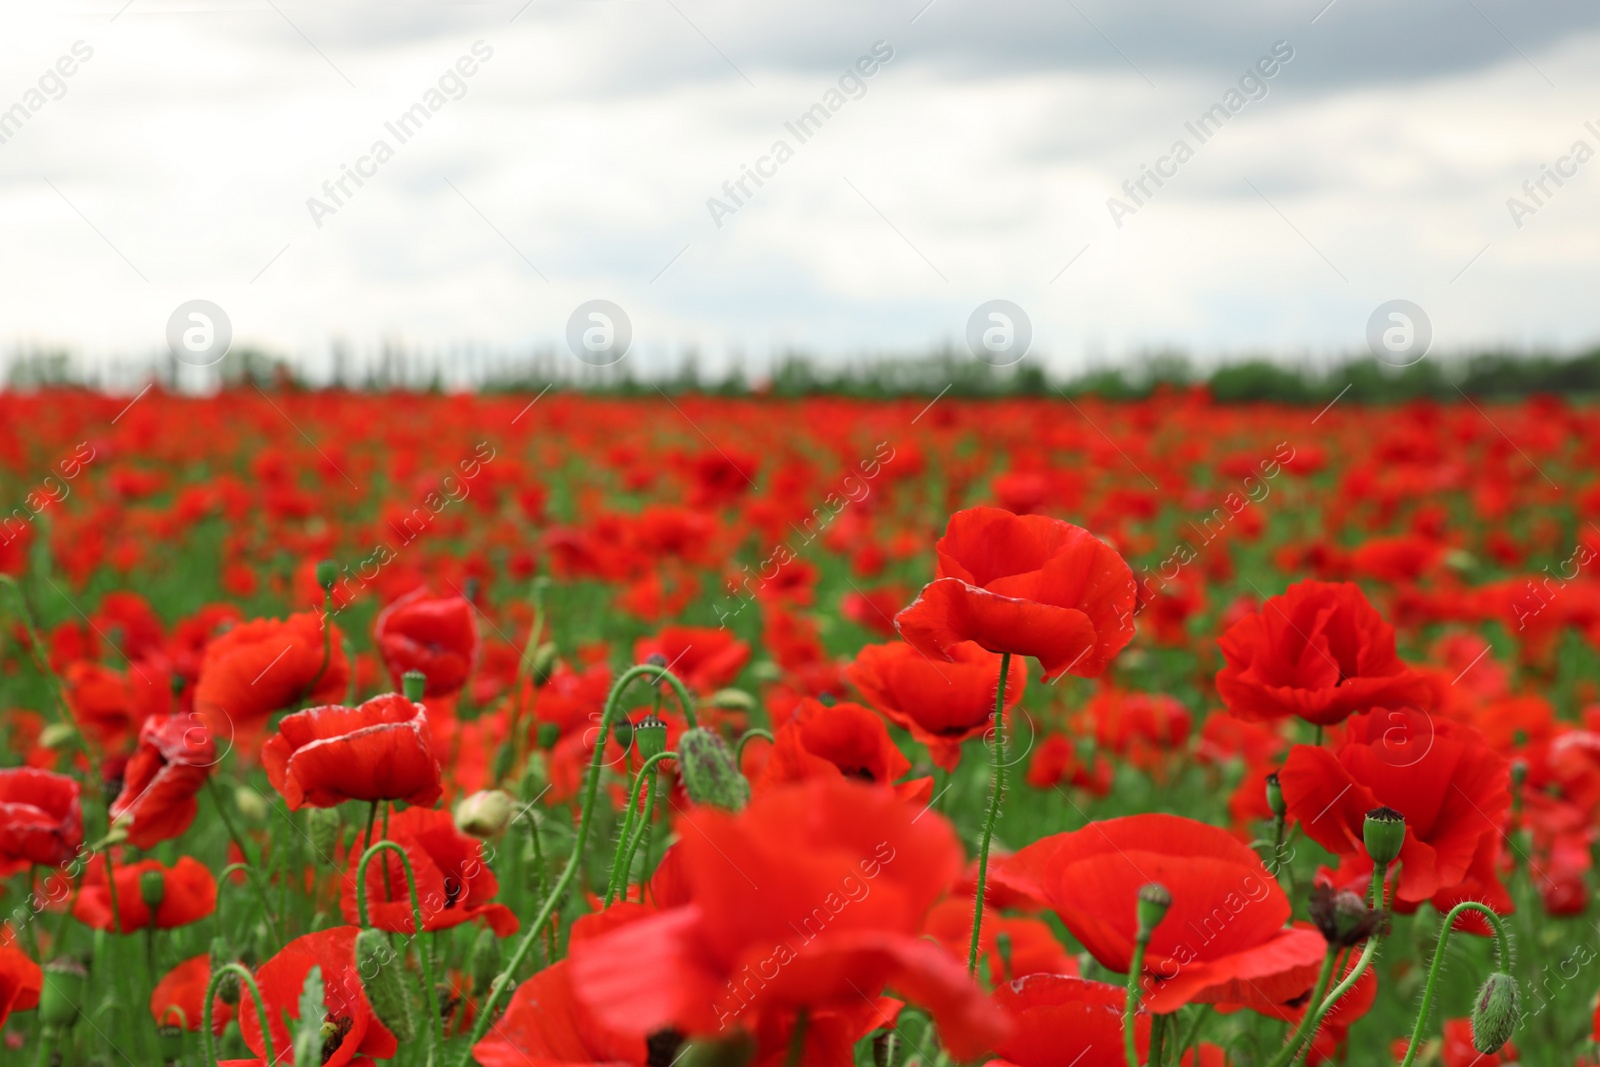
(650, 734)
(412, 685)
(322, 827)
(171, 1041)
(152, 889)
(66, 982)
(1275, 796)
(765, 671)
(544, 662)
(534, 779)
(1343, 916)
(1154, 900)
(485, 813)
(251, 804)
(384, 979)
(228, 988)
(1495, 1012)
(733, 700)
(710, 775)
(1384, 832)
(484, 962)
(57, 734)
(655, 659)
(549, 734)
(502, 762)
(622, 730)
(327, 574)
(735, 1050)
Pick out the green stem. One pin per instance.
(999, 785)
(647, 834)
(327, 643)
(436, 1021)
(251, 862)
(754, 731)
(1312, 1017)
(797, 1039)
(1130, 1008)
(261, 1013)
(626, 841)
(1502, 947)
(497, 989)
(111, 887)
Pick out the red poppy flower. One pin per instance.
(263, 666)
(352, 1030)
(435, 635)
(811, 897)
(40, 819)
(707, 658)
(1319, 651)
(108, 705)
(159, 783)
(1224, 940)
(1033, 948)
(942, 703)
(20, 982)
(189, 894)
(545, 1024)
(841, 739)
(1025, 584)
(380, 750)
(184, 988)
(454, 882)
(1451, 787)
(1065, 1021)
(874, 609)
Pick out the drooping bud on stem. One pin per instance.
(327, 574)
(383, 977)
(710, 775)
(1495, 1012)
(228, 988)
(622, 730)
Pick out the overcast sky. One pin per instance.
(581, 156)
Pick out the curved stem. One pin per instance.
(327, 643)
(436, 1022)
(626, 841)
(250, 862)
(1502, 948)
(754, 731)
(261, 1014)
(1130, 1007)
(999, 786)
(497, 989)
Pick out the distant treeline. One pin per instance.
(1490, 375)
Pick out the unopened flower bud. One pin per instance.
(1275, 802)
(544, 662)
(484, 963)
(650, 734)
(1154, 900)
(170, 1038)
(1384, 833)
(152, 889)
(66, 982)
(710, 775)
(485, 813)
(733, 700)
(622, 730)
(228, 988)
(327, 573)
(322, 827)
(549, 734)
(1495, 1012)
(57, 734)
(655, 659)
(383, 976)
(412, 685)
(251, 804)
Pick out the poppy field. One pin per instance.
(355, 728)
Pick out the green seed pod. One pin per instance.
(1275, 797)
(1154, 900)
(622, 730)
(327, 573)
(484, 963)
(413, 684)
(228, 988)
(549, 734)
(1495, 1012)
(383, 976)
(152, 889)
(171, 1040)
(323, 826)
(66, 983)
(1384, 832)
(544, 662)
(650, 734)
(710, 775)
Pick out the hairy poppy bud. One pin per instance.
(383, 977)
(650, 734)
(412, 685)
(484, 963)
(65, 984)
(1495, 1012)
(485, 813)
(710, 775)
(1154, 900)
(1384, 832)
(228, 988)
(322, 827)
(1343, 916)
(152, 889)
(327, 574)
(622, 730)
(1275, 796)
(655, 659)
(544, 662)
(733, 700)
